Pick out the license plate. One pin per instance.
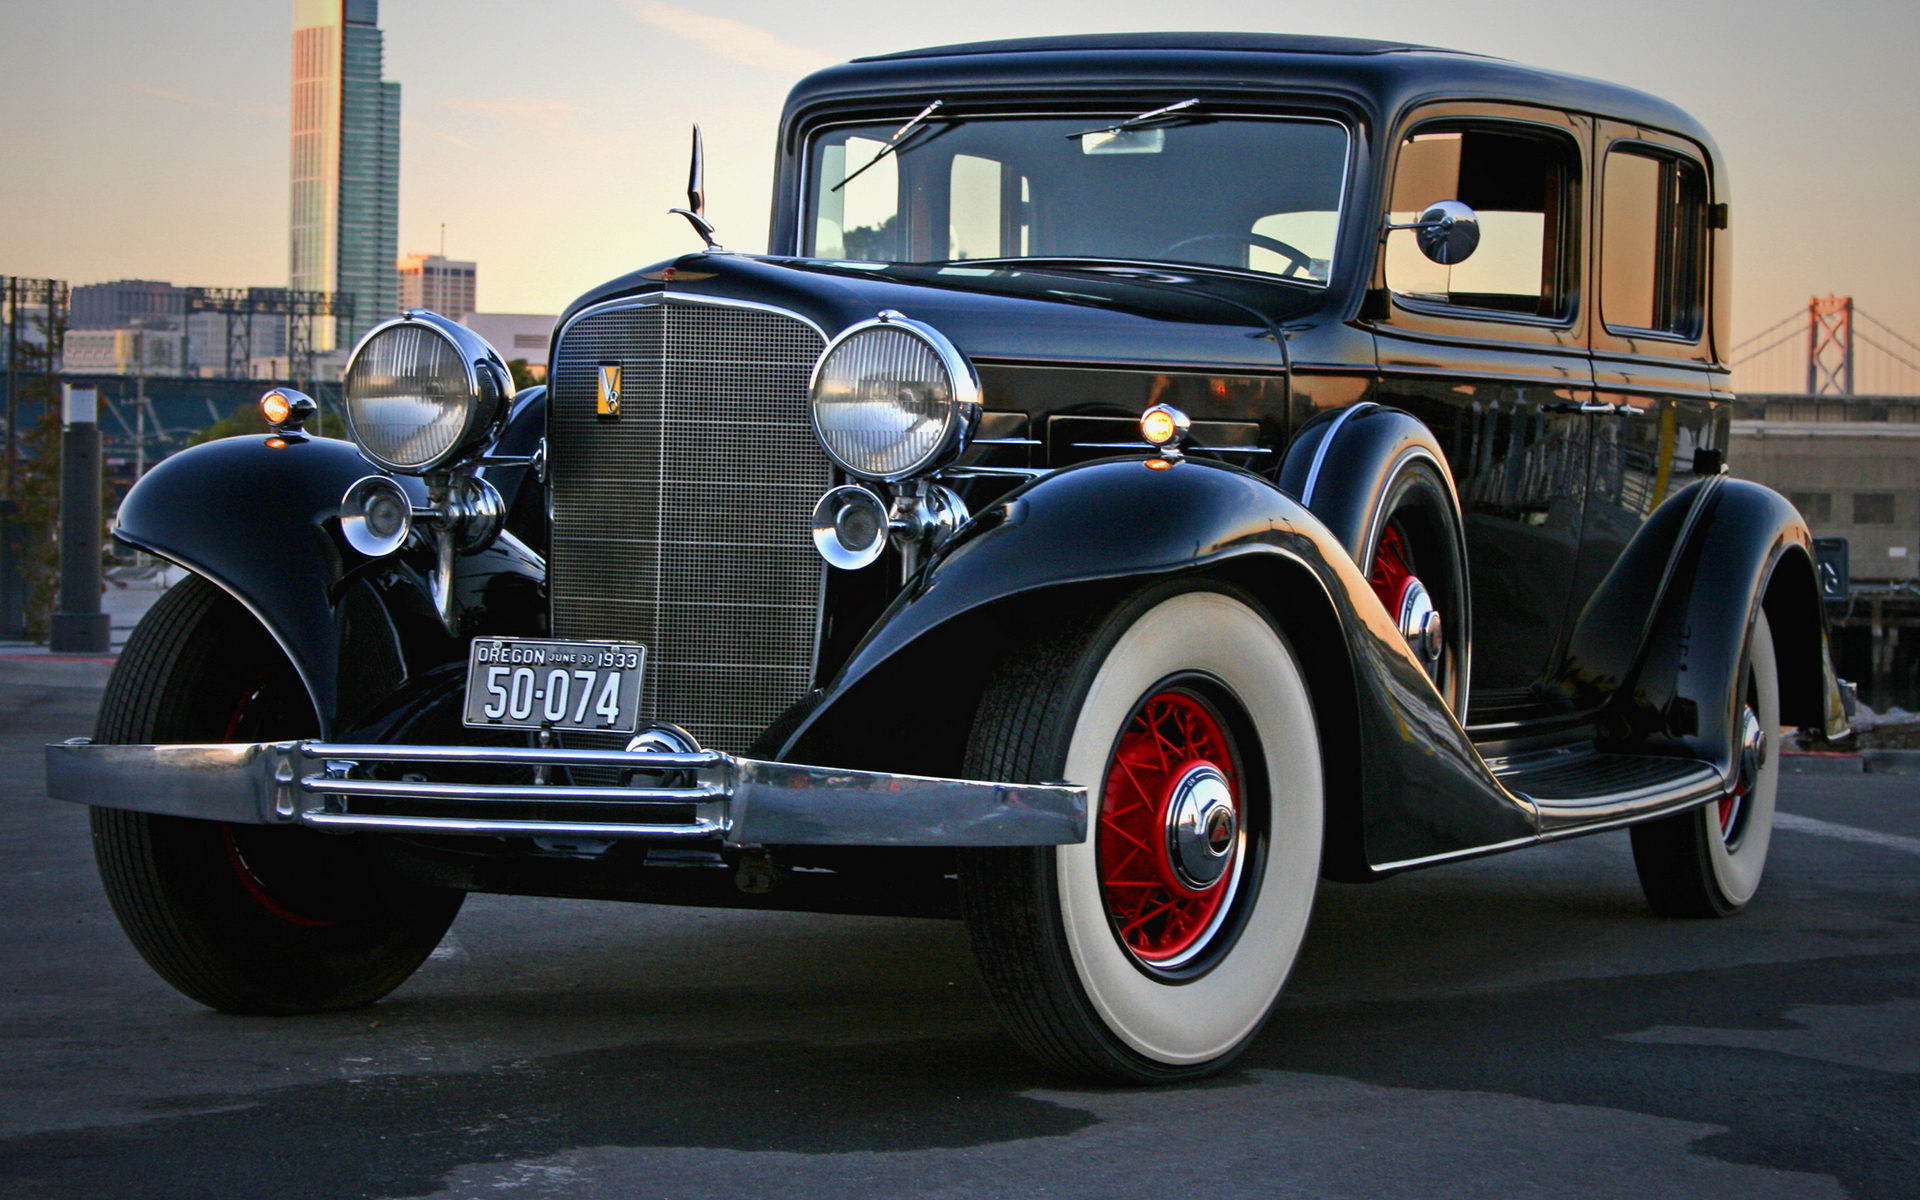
(517, 683)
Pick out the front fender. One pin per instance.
(1421, 787)
(259, 517)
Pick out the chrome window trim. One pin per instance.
(1345, 125)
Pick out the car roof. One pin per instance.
(1382, 78)
(1283, 43)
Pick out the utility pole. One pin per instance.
(13, 377)
(79, 627)
(139, 398)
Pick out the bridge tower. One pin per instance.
(1830, 346)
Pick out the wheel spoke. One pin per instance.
(1172, 734)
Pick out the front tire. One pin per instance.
(1707, 862)
(1154, 950)
(245, 918)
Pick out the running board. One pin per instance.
(1577, 788)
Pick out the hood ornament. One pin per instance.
(696, 210)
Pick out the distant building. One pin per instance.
(327, 368)
(438, 284)
(1851, 465)
(119, 304)
(346, 162)
(120, 351)
(515, 335)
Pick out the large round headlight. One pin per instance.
(893, 398)
(421, 390)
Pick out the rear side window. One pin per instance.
(1653, 223)
(1521, 185)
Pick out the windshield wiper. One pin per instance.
(1136, 122)
(893, 143)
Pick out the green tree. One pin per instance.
(524, 376)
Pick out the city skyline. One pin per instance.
(550, 142)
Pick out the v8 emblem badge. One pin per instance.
(607, 398)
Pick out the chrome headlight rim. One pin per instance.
(962, 380)
(489, 388)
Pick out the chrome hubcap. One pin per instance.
(1419, 622)
(1201, 827)
(1752, 752)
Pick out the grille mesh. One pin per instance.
(683, 524)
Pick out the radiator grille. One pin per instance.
(683, 524)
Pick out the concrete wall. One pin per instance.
(1838, 472)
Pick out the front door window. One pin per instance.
(1517, 183)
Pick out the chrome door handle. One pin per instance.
(1583, 407)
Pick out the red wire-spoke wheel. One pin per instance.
(1390, 571)
(1171, 836)
(1407, 600)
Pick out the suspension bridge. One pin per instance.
(1832, 347)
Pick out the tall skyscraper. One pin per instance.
(346, 162)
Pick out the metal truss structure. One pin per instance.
(34, 315)
(239, 306)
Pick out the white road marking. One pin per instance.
(1845, 833)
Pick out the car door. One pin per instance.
(1492, 354)
(1654, 375)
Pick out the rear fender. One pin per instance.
(1665, 636)
(1407, 783)
(1342, 467)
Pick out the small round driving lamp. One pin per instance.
(422, 392)
(375, 516)
(287, 410)
(893, 398)
(850, 527)
(1164, 425)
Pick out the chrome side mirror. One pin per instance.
(1448, 232)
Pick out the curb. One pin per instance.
(1831, 762)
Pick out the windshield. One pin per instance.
(1249, 193)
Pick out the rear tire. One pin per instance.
(1707, 862)
(245, 918)
(1163, 964)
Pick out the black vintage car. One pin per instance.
(1149, 474)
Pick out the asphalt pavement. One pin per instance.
(1514, 1027)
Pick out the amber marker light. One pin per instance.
(288, 411)
(1159, 464)
(1157, 426)
(1164, 427)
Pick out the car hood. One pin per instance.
(1032, 311)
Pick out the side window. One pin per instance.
(1521, 185)
(1653, 223)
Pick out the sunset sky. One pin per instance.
(150, 140)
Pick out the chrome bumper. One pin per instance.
(699, 796)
